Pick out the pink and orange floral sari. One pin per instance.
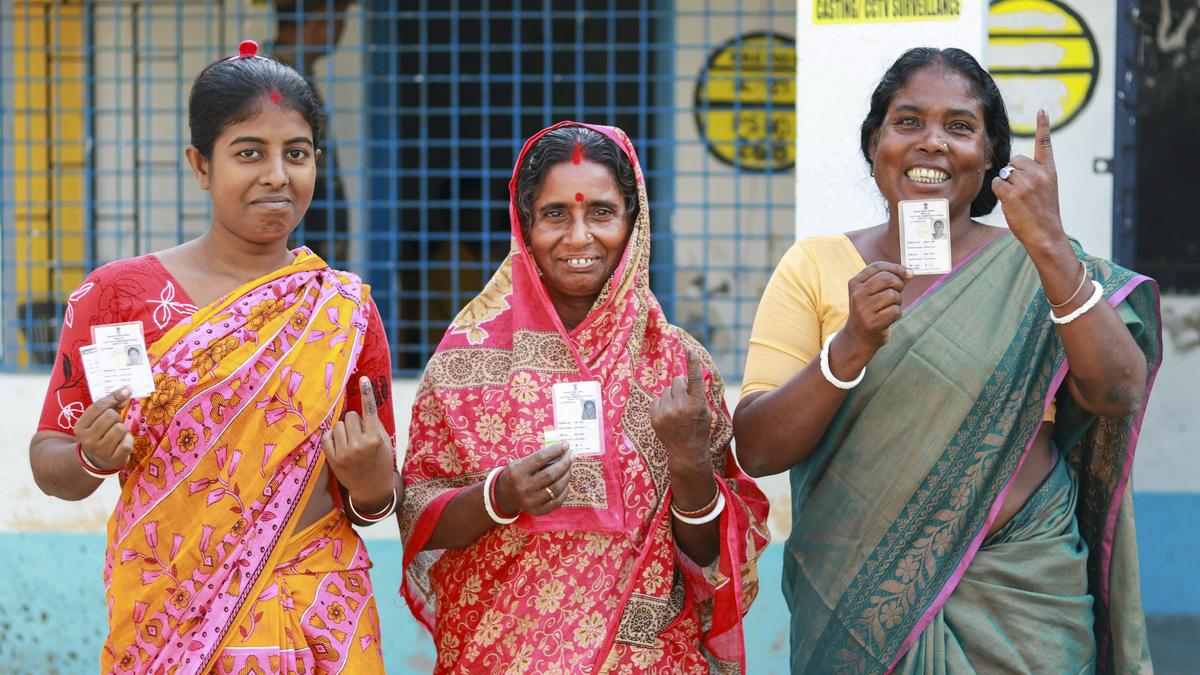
(204, 570)
(597, 586)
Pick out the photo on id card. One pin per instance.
(578, 415)
(117, 358)
(925, 236)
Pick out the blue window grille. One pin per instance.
(429, 103)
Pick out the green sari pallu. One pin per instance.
(891, 509)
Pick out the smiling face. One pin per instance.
(260, 175)
(577, 200)
(932, 142)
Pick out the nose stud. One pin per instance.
(945, 146)
(591, 237)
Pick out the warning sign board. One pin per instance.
(746, 102)
(884, 11)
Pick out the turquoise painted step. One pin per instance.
(52, 617)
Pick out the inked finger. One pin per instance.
(369, 405)
(1043, 151)
(695, 376)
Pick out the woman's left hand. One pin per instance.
(682, 420)
(359, 453)
(1029, 196)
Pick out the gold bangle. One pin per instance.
(700, 511)
(1082, 280)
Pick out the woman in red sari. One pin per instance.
(231, 549)
(519, 555)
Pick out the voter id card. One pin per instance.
(578, 416)
(925, 236)
(117, 358)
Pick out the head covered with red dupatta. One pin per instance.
(484, 401)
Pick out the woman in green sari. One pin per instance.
(959, 493)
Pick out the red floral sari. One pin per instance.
(599, 585)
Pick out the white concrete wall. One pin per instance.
(837, 68)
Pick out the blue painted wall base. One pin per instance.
(52, 617)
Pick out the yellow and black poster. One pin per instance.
(1042, 54)
(746, 102)
(884, 11)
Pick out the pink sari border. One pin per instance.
(1110, 525)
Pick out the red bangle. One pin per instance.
(496, 504)
(91, 469)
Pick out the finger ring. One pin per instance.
(550, 492)
(1006, 171)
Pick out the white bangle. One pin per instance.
(487, 498)
(840, 384)
(1090, 303)
(391, 507)
(706, 518)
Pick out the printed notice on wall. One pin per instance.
(884, 11)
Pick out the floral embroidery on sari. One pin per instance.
(597, 585)
(204, 529)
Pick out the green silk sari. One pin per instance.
(893, 505)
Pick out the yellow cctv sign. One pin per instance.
(884, 11)
(1042, 55)
(746, 102)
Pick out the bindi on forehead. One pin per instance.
(578, 196)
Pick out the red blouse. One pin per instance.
(141, 289)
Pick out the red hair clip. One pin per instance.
(247, 49)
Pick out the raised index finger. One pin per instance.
(1043, 152)
(370, 408)
(695, 379)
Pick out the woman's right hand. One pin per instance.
(874, 307)
(536, 484)
(103, 437)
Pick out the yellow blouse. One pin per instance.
(805, 300)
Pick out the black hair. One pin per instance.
(234, 90)
(558, 146)
(995, 116)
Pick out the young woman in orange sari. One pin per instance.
(519, 556)
(231, 548)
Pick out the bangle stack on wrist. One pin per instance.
(708, 513)
(371, 517)
(1091, 302)
(91, 469)
(489, 499)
